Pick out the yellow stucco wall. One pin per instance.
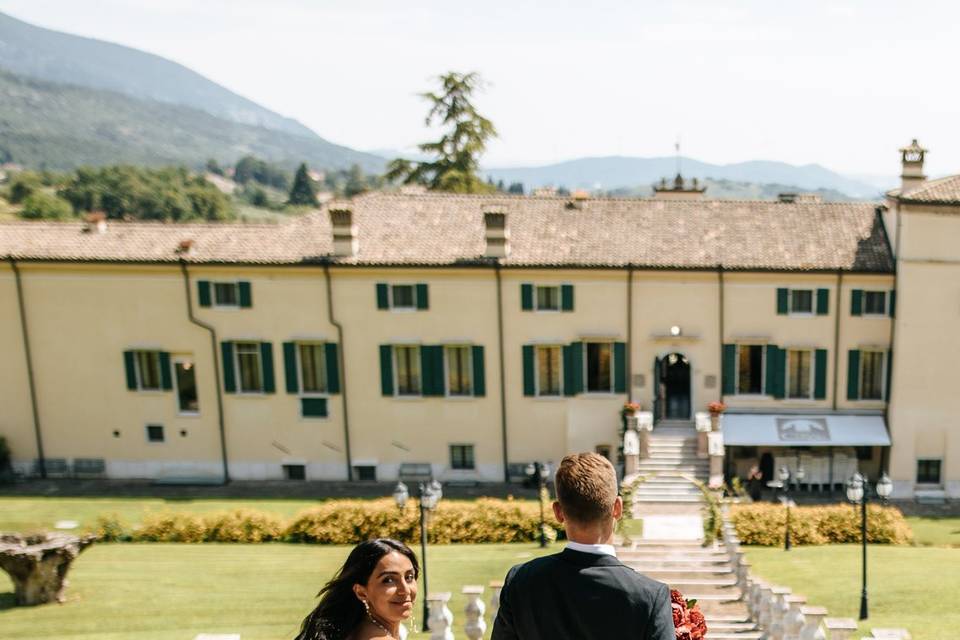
(16, 416)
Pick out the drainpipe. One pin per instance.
(629, 333)
(343, 370)
(503, 384)
(216, 369)
(720, 319)
(836, 338)
(41, 458)
(885, 451)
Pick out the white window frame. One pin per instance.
(813, 303)
(586, 368)
(536, 297)
(236, 368)
(176, 384)
(413, 297)
(473, 450)
(213, 294)
(300, 389)
(139, 373)
(396, 369)
(883, 374)
(811, 376)
(763, 370)
(886, 303)
(446, 370)
(536, 371)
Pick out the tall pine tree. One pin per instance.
(303, 191)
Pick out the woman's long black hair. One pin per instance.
(340, 611)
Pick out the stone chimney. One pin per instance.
(498, 236)
(345, 243)
(912, 162)
(96, 222)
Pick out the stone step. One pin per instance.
(666, 483)
(728, 619)
(683, 584)
(662, 551)
(668, 500)
(733, 635)
(730, 626)
(681, 572)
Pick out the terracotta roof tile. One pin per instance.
(940, 191)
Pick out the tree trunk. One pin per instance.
(38, 564)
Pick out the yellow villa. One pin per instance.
(466, 336)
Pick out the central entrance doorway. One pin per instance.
(671, 376)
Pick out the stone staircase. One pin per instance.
(673, 461)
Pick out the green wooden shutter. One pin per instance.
(783, 301)
(423, 297)
(576, 358)
(290, 367)
(775, 383)
(729, 382)
(246, 294)
(529, 386)
(386, 370)
(886, 390)
(526, 297)
(332, 352)
(853, 374)
(856, 302)
(569, 372)
(566, 297)
(479, 377)
(266, 361)
(130, 369)
(383, 296)
(893, 303)
(229, 378)
(313, 407)
(203, 293)
(431, 370)
(820, 375)
(619, 367)
(166, 380)
(823, 302)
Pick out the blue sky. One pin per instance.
(843, 84)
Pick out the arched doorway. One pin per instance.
(671, 376)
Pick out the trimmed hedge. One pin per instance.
(764, 524)
(345, 522)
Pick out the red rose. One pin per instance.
(678, 617)
(698, 624)
(677, 598)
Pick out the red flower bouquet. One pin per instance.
(687, 618)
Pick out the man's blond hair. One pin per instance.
(586, 487)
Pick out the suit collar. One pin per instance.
(583, 559)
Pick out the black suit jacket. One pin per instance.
(582, 596)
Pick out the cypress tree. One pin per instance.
(303, 191)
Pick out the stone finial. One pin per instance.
(475, 626)
(441, 618)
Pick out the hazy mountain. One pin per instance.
(619, 172)
(45, 124)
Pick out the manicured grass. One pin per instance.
(174, 591)
(909, 587)
(935, 531)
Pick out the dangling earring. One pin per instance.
(366, 605)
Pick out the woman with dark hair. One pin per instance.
(368, 598)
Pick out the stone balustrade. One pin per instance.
(793, 619)
(441, 618)
(777, 611)
(839, 628)
(475, 626)
(496, 586)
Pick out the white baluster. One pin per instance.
(778, 609)
(763, 605)
(441, 618)
(813, 623)
(496, 586)
(475, 626)
(793, 620)
(840, 628)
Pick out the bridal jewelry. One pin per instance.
(366, 606)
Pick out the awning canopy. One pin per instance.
(781, 430)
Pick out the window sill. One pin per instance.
(875, 316)
(252, 394)
(550, 398)
(403, 309)
(226, 307)
(406, 398)
(304, 418)
(801, 314)
(188, 414)
(460, 398)
(600, 394)
(753, 396)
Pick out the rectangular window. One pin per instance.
(226, 294)
(461, 456)
(313, 367)
(148, 370)
(366, 472)
(801, 301)
(407, 364)
(548, 298)
(548, 370)
(871, 375)
(928, 471)
(599, 367)
(799, 373)
(155, 433)
(403, 296)
(458, 371)
(295, 472)
(249, 367)
(186, 377)
(874, 303)
(750, 369)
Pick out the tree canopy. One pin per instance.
(303, 191)
(456, 155)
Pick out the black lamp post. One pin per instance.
(428, 495)
(541, 471)
(784, 474)
(858, 492)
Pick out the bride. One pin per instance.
(368, 598)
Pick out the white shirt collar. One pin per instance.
(599, 549)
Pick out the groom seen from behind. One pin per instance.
(583, 592)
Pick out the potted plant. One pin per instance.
(716, 407)
(631, 408)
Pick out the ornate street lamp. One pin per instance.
(541, 472)
(428, 495)
(858, 492)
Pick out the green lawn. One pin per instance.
(936, 531)
(174, 591)
(908, 587)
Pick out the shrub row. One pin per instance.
(344, 522)
(765, 524)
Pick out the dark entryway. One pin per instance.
(671, 375)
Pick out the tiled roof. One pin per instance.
(444, 229)
(940, 191)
